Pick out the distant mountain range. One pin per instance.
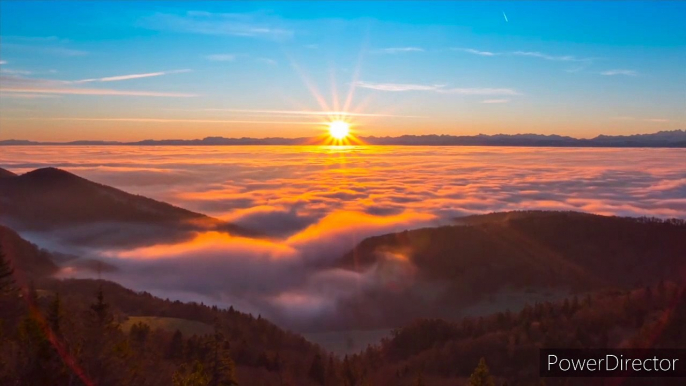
(674, 139)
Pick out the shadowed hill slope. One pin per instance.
(50, 198)
(441, 271)
(537, 248)
(6, 173)
(27, 259)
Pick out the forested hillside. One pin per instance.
(437, 272)
(440, 353)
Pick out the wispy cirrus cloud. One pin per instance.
(253, 25)
(26, 96)
(476, 52)
(94, 91)
(3, 62)
(14, 72)
(532, 54)
(620, 72)
(167, 120)
(581, 63)
(14, 84)
(439, 88)
(311, 113)
(398, 87)
(397, 50)
(541, 55)
(629, 118)
(130, 76)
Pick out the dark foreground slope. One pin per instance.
(51, 199)
(440, 271)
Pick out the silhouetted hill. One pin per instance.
(439, 271)
(674, 138)
(50, 198)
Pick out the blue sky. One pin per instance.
(130, 70)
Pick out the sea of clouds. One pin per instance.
(317, 203)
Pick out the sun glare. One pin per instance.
(339, 129)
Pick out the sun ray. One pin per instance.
(356, 75)
(309, 84)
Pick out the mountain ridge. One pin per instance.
(670, 139)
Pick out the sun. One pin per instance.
(339, 130)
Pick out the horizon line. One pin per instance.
(551, 140)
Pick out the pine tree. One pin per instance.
(54, 317)
(222, 367)
(349, 373)
(331, 373)
(101, 310)
(6, 275)
(175, 350)
(420, 380)
(481, 376)
(317, 371)
(139, 332)
(193, 376)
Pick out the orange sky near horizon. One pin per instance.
(64, 130)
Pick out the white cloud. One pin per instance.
(541, 55)
(232, 24)
(495, 101)
(166, 120)
(311, 113)
(620, 72)
(400, 87)
(398, 50)
(477, 52)
(14, 72)
(94, 91)
(628, 118)
(583, 63)
(13, 84)
(130, 76)
(3, 62)
(26, 96)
